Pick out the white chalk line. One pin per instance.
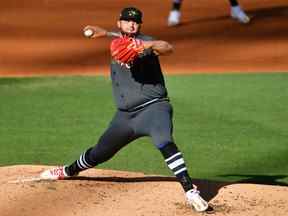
(24, 179)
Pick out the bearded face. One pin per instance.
(129, 27)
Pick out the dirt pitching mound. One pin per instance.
(107, 192)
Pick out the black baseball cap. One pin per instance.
(131, 13)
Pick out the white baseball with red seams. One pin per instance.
(88, 32)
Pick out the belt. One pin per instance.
(141, 106)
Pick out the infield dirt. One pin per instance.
(45, 37)
(108, 192)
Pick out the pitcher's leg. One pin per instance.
(118, 134)
(175, 13)
(238, 13)
(160, 130)
(175, 161)
(113, 139)
(233, 3)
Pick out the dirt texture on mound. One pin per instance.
(113, 193)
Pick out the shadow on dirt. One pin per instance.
(209, 188)
(260, 179)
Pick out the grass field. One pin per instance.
(229, 126)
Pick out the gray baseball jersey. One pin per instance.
(143, 107)
(140, 83)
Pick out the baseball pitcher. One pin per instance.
(143, 107)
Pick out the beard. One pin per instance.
(128, 34)
(124, 33)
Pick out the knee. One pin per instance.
(162, 140)
(168, 149)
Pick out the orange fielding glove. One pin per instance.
(126, 49)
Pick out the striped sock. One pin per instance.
(177, 164)
(175, 161)
(79, 165)
(82, 162)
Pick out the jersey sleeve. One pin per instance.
(146, 38)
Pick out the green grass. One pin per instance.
(229, 126)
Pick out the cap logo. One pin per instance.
(132, 13)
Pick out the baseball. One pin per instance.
(88, 32)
